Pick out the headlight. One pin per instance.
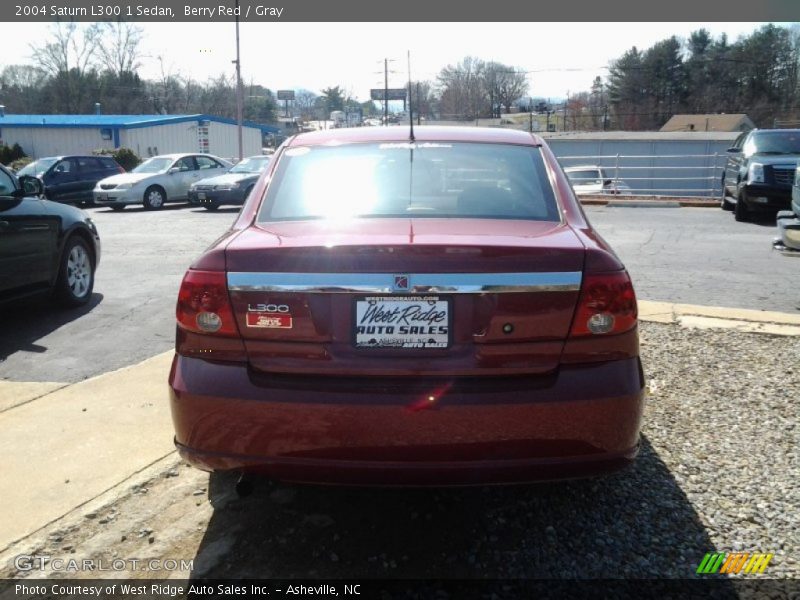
(755, 173)
(124, 186)
(226, 187)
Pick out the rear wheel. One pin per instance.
(76, 275)
(741, 212)
(154, 198)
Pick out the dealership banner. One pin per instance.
(407, 11)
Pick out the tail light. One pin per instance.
(607, 305)
(203, 304)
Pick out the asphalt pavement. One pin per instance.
(685, 255)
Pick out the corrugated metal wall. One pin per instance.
(652, 154)
(145, 141)
(224, 142)
(160, 139)
(38, 142)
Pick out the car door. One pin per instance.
(61, 181)
(28, 238)
(180, 180)
(90, 171)
(732, 165)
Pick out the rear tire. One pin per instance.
(740, 212)
(154, 198)
(76, 274)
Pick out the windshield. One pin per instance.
(584, 176)
(254, 164)
(154, 165)
(37, 167)
(773, 142)
(441, 179)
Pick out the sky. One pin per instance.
(560, 58)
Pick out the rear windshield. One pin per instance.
(495, 181)
(584, 176)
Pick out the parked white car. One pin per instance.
(158, 180)
(592, 179)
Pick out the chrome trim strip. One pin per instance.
(419, 283)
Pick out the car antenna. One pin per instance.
(410, 105)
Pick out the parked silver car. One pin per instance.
(592, 179)
(158, 180)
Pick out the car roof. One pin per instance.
(424, 133)
(63, 156)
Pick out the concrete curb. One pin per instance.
(718, 317)
(648, 202)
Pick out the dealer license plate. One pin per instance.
(402, 322)
(201, 195)
(102, 197)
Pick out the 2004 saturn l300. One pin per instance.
(401, 307)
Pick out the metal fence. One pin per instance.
(665, 175)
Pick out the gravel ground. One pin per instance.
(718, 471)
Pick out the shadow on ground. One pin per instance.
(634, 524)
(27, 321)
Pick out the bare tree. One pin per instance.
(304, 102)
(463, 93)
(118, 47)
(71, 49)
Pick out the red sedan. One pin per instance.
(402, 307)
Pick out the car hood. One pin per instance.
(228, 178)
(128, 178)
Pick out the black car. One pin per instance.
(45, 247)
(232, 187)
(71, 179)
(759, 171)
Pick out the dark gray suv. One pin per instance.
(759, 171)
(71, 179)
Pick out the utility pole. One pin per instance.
(418, 104)
(605, 117)
(565, 111)
(385, 92)
(239, 91)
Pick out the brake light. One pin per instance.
(203, 304)
(607, 305)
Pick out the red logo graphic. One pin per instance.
(269, 320)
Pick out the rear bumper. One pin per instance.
(582, 421)
(218, 197)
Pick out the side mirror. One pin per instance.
(733, 149)
(608, 181)
(32, 186)
(173, 170)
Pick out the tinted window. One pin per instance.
(584, 176)
(109, 164)
(89, 164)
(65, 166)
(410, 180)
(185, 164)
(204, 162)
(6, 184)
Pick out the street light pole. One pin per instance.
(239, 91)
